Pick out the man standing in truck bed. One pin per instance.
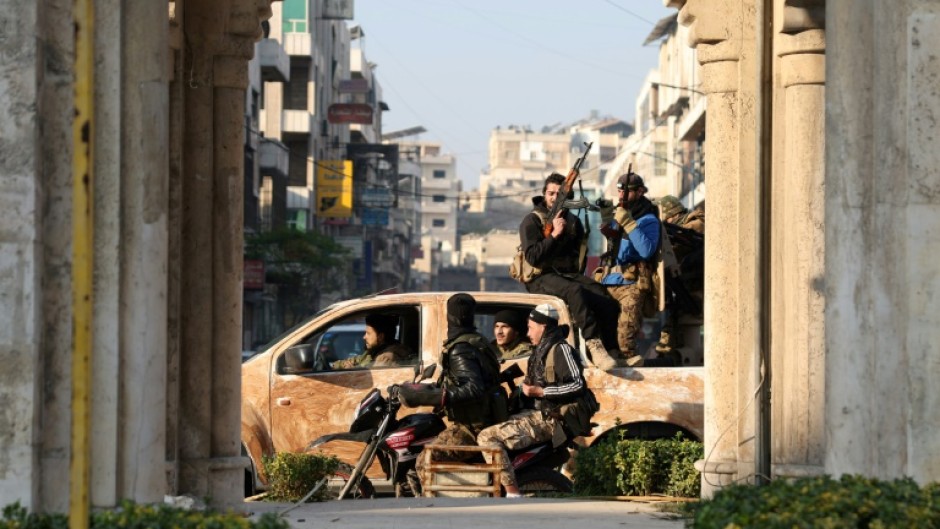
(559, 256)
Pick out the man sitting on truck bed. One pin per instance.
(382, 349)
(559, 259)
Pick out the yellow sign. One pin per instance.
(334, 188)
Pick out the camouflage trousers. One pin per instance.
(521, 430)
(631, 299)
(454, 435)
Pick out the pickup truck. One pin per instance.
(286, 405)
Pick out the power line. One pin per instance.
(625, 10)
(467, 194)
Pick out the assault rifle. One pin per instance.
(567, 189)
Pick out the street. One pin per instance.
(467, 513)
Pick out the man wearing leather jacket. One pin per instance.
(470, 391)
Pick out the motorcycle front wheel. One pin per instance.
(365, 489)
(540, 481)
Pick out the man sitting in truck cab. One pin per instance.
(382, 349)
(509, 331)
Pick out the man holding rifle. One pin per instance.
(635, 223)
(559, 255)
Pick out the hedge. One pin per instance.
(822, 502)
(633, 467)
(291, 476)
(133, 516)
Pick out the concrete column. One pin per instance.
(144, 214)
(717, 30)
(882, 239)
(798, 250)
(106, 367)
(21, 256)
(54, 144)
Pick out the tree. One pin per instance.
(302, 264)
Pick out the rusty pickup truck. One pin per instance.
(285, 406)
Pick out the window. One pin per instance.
(295, 92)
(659, 163)
(440, 173)
(294, 14)
(297, 219)
(440, 198)
(438, 223)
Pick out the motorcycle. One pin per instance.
(396, 443)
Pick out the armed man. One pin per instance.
(635, 223)
(686, 230)
(555, 244)
(554, 381)
(470, 393)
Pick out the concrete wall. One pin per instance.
(853, 193)
(21, 253)
(883, 236)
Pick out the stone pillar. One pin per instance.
(718, 29)
(214, 68)
(798, 243)
(882, 239)
(143, 252)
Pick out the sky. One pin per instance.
(460, 68)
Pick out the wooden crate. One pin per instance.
(459, 479)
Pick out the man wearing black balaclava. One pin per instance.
(470, 391)
(636, 223)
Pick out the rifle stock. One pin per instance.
(566, 191)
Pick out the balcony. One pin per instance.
(297, 122)
(274, 158)
(275, 63)
(439, 184)
(437, 208)
(298, 44)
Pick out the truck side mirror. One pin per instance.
(303, 358)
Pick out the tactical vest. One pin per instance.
(575, 416)
(494, 407)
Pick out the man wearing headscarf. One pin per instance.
(509, 335)
(470, 391)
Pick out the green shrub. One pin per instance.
(291, 476)
(822, 503)
(132, 516)
(634, 467)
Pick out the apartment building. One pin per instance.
(668, 146)
(437, 204)
(315, 162)
(520, 158)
